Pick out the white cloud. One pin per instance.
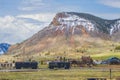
(44, 17)
(28, 5)
(111, 3)
(109, 15)
(16, 29)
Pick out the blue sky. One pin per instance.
(20, 19)
(97, 7)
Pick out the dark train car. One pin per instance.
(19, 65)
(65, 65)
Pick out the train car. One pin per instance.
(65, 65)
(19, 65)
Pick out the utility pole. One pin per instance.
(23, 52)
(110, 74)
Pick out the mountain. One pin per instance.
(68, 32)
(73, 23)
(4, 48)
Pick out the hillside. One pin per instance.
(71, 34)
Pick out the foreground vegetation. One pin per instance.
(72, 74)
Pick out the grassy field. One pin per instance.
(104, 56)
(72, 74)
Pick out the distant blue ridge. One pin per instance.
(4, 48)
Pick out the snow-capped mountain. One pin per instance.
(4, 48)
(70, 28)
(73, 23)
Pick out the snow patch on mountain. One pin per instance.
(115, 27)
(71, 21)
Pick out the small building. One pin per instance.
(7, 65)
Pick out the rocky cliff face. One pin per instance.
(66, 28)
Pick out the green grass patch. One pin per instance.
(73, 74)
